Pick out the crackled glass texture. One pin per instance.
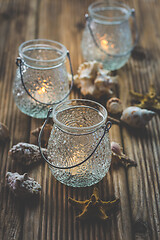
(47, 85)
(115, 39)
(65, 149)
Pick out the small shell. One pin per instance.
(119, 157)
(114, 106)
(4, 133)
(26, 153)
(116, 148)
(104, 83)
(22, 185)
(137, 117)
(93, 80)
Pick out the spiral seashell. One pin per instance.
(136, 117)
(114, 106)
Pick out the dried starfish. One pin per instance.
(119, 157)
(94, 207)
(149, 100)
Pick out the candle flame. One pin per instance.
(41, 90)
(105, 44)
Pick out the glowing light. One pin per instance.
(41, 90)
(104, 44)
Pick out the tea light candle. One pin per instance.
(109, 35)
(106, 45)
(41, 95)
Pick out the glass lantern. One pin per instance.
(41, 78)
(79, 152)
(110, 34)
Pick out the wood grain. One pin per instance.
(51, 216)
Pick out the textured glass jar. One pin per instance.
(78, 127)
(44, 74)
(110, 34)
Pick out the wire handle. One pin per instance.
(106, 129)
(20, 62)
(89, 19)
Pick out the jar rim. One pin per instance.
(95, 6)
(81, 130)
(42, 42)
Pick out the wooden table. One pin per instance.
(137, 187)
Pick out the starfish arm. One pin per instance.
(78, 204)
(152, 91)
(156, 106)
(140, 105)
(110, 204)
(152, 106)
(102, 215)
(96, 192)
(84, 214)
(138, 96)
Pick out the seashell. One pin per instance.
(22, 185)
(118, 157)
(4, 132)
(136, 117)
(26, 153)
(93, 80)
(88, 70)
(45, 134)
(116, 148)
(114, 105)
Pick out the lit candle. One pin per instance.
(77, 158)
(41, 90)
(41, 95)
(106, 45)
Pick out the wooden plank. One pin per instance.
(74, 230)
(51, 216)
(141, 145)
(13, 21)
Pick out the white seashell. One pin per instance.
(88, 70)
(114, 106)
(137, 117)
(93, 80)
(22, 185)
